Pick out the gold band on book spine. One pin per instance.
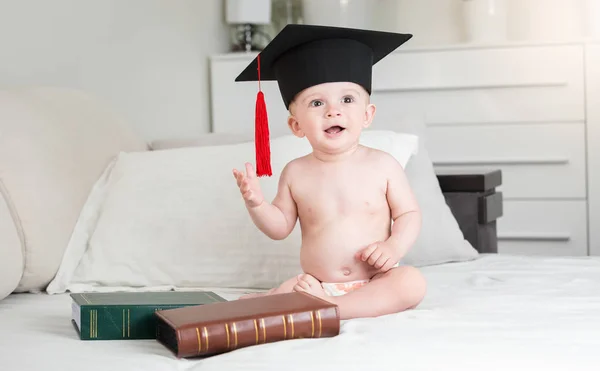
(262, 322)
(284, 328)
(206, 337)
(291, 316)
(319, 320)
(227, 333)
(256, 330)
(93, 324)
(312, 325)
(235, 338)
(126, 321)
(199, 340)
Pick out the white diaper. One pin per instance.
(339, 289)
(342, 288)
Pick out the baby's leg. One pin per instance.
(285, 287)
(394, 291)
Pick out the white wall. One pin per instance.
(559, 20)
(147, 58)
(439, 22)
(432, 22)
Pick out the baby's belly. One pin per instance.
(330, 254)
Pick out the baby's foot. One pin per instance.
(309, 284)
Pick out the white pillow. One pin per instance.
(441, 240)
(175, 218)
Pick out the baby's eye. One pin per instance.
(316, 103)
(348, 99)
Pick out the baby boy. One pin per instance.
(357, 213)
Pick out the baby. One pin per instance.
(357, 213)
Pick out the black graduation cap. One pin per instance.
(301, 56)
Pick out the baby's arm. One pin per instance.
(406, 217)
(276, 219)
(406, 214)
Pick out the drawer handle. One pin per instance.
(534, 237)
(504, 161)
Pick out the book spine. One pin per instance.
(121, 322)
(215, 338)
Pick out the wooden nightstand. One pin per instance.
(474, 202)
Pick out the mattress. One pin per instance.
(495, 313)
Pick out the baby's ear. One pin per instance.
(369, 115)
(295, 126)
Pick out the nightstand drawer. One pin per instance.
(537, 161)
(543, 228)
(475, 85)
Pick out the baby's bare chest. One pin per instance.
(330, 197)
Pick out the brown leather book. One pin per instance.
(216, 328)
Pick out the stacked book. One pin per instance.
(193, 324)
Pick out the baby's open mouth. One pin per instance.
(334, 129)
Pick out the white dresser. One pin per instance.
(529, 110)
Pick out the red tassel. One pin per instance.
(261, 133)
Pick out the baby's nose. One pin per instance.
(334, 113)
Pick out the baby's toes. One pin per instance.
(301, 286)
(310, 280)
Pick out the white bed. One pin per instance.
(165, 219)
(495, 313)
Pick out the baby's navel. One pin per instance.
(346, 271)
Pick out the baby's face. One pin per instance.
(331, 115)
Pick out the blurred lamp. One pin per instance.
(247, 14)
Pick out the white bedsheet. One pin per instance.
(496, 313)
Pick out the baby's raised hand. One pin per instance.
(380, 255)
(249, 186)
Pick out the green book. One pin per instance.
(129, 315)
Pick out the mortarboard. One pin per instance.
(301, 56)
